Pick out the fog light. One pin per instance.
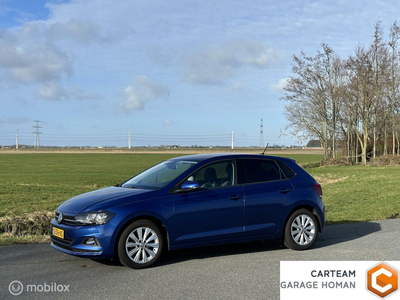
(90, 242)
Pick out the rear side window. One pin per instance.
(286, 170)
(258, 170)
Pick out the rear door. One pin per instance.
(267, 195)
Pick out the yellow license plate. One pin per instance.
(58, 232)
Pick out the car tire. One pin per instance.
(140, 245)
(301, 230)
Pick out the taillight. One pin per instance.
(317, 187)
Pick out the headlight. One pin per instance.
(94, 218)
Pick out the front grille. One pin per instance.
(65, 244)
(67, 219)
(58, 241)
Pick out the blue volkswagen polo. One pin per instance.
(192, 201)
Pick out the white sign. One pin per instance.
(339, 280)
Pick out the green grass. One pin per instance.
(26, 239)
(359, 193)
(42, 181)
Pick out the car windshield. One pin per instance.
(159, 175)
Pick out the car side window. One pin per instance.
(214, 175)
(286, 170)
(259, 170)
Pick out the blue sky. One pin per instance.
(171, 72)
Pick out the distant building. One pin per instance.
(314, 144)
(169, 146)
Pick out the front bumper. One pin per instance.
(74, 237)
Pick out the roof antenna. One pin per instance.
(265, 149)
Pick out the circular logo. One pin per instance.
(16, 288)
(60, 217)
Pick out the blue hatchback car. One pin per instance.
(192, 201)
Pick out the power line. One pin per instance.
(136, 139)
(138, 134)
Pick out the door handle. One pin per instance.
(235, 197)
(284, 190)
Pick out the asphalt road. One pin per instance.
(240, 271)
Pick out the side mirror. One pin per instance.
(188, 186)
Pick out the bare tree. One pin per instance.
(362, 95)
(352, 102)
(313, 96)
(394, 83)
(380, 64)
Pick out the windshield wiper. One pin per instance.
(128, 186)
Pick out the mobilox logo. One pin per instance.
(16, 287)
(382, 280)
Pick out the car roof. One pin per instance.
(214, 156)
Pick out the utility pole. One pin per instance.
(232, 140)
(37, 132)
(16, 140)
(261, 134)
(129, 140)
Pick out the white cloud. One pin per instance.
(133, 100)
(54, 92)
(75, 29)
(33, 63)
(168, 122)
(51, 91)
(280, 85)
(141, 92)
(238, 86)
(214, 66)
(32, 54)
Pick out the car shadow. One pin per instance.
(340, 233)
(331, 235)
(177, 256)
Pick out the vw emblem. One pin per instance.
(59, 218)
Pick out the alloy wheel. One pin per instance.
(142, 245)
(303, 230)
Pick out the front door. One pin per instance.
(214, 211)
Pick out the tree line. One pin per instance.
(351, 105)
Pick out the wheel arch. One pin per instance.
(310, 208)
(132, 219)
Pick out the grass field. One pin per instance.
(359, 193)
(42, 181)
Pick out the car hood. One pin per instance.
(82, 202)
